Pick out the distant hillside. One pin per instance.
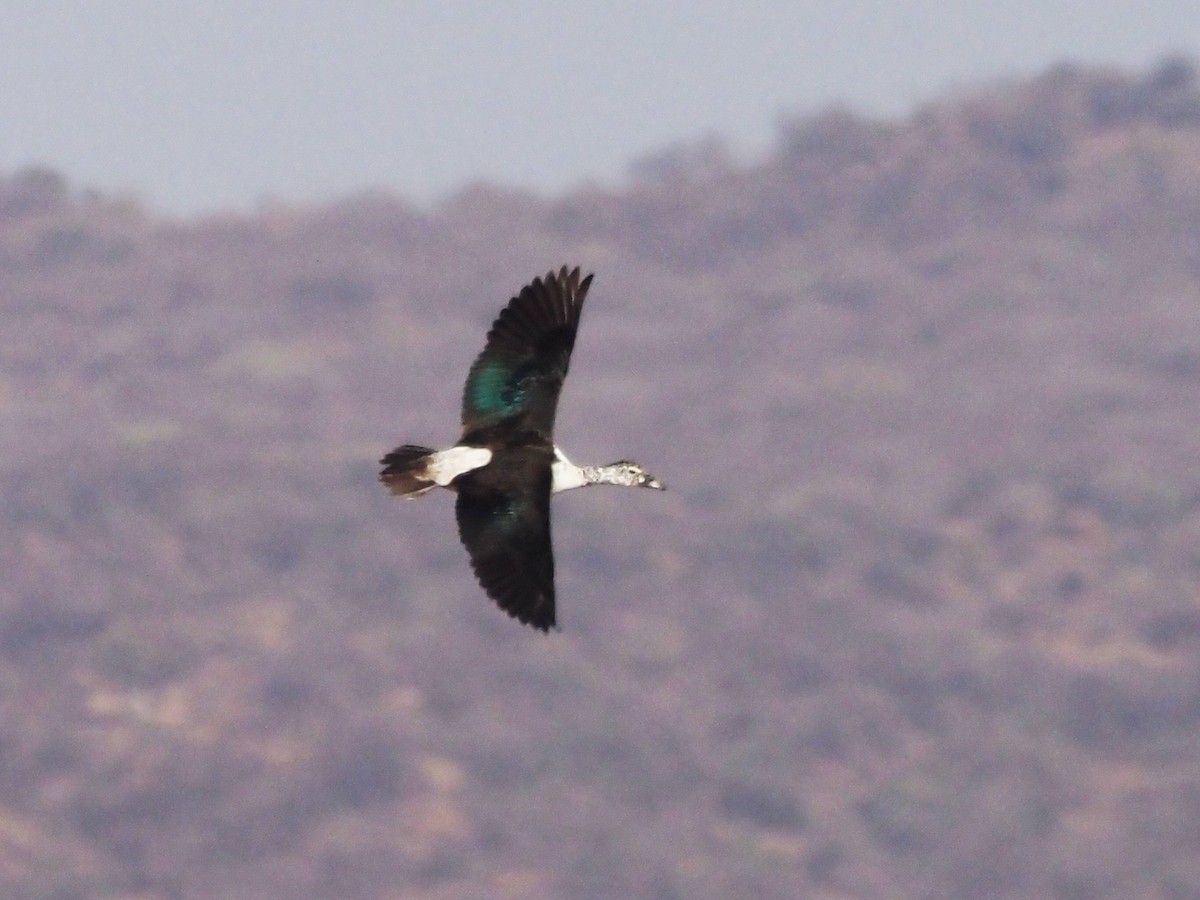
(918, 617)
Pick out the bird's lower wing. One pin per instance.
(508, 539)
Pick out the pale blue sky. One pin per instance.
(200, 106)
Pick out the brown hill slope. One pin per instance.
(919, 616)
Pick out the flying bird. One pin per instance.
(506, 465)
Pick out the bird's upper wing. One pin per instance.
(516, 379)
(508, 539)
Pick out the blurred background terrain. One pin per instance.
(918, 616)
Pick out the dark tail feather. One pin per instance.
(404, 471)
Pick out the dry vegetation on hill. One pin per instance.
(919, 616)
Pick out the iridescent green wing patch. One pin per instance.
(516, 380)
(497, 390)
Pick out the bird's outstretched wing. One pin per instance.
(516, 380)
(508, 539)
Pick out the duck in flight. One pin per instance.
(506, 465)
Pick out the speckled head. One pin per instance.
(626, 472)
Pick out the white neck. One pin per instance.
(566, 475)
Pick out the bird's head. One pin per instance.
(635, 475)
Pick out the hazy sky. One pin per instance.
(196, 106)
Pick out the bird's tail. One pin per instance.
(405, 471)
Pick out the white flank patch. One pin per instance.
(564, 474)
(447, 465)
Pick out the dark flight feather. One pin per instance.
(504, 522)
(514, 384)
